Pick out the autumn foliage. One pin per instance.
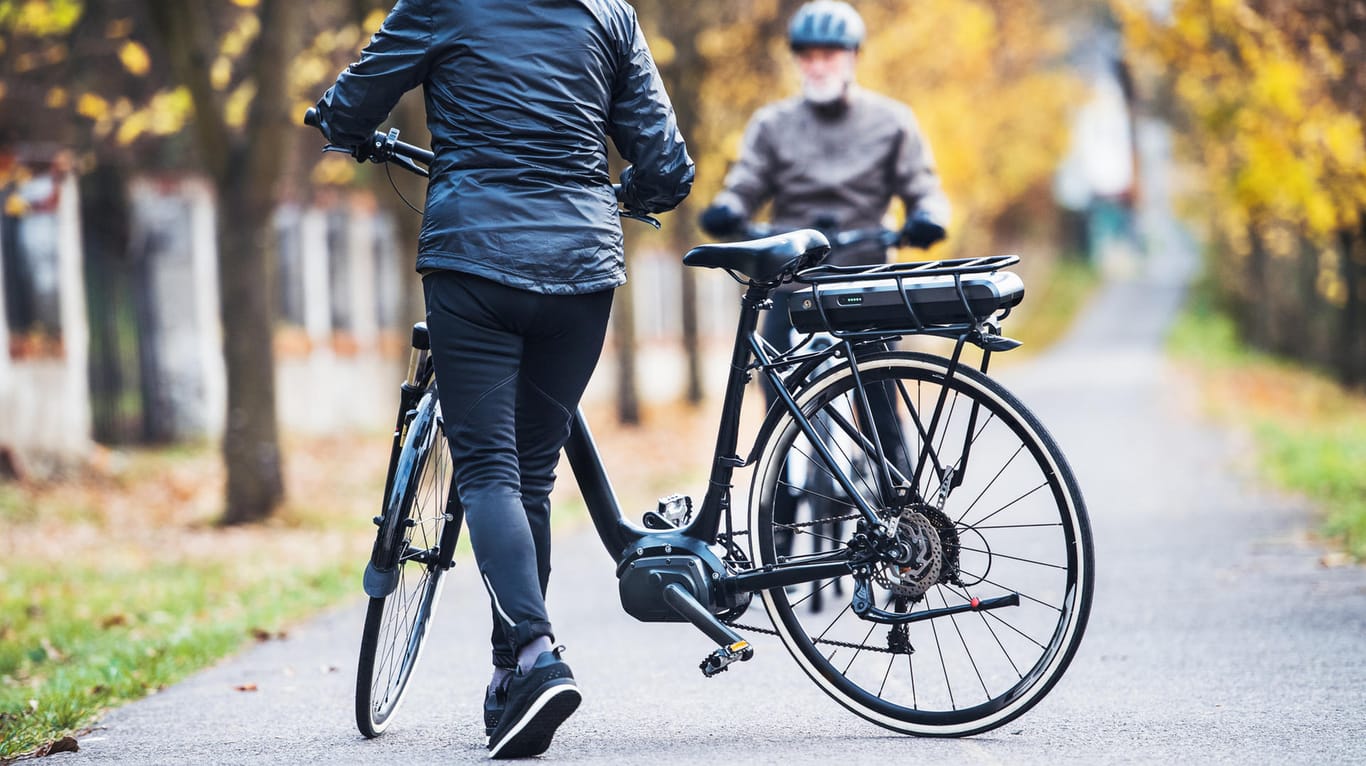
(1269, 96)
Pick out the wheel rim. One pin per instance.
(1016, 524)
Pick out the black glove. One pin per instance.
(721, 221)
(921, 231)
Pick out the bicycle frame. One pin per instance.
(624, 540)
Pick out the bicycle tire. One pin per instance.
(972, 671)
(413, 529)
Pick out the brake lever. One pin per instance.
(642, 217)
(410, 165)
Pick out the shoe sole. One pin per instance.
(532, 735)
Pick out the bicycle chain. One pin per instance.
(829, 641)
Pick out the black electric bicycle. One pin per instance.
(964, 564)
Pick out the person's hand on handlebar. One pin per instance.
(721, 221)
(921, 230)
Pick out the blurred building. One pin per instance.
(44, 397)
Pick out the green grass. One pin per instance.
(81, 637)
(1310, 432)
(115, 583)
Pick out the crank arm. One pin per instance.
(863, 607)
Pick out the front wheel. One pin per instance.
(985, 500)
(419, 525)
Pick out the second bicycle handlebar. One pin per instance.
(383, 147)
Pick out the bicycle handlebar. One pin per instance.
(838, 238)
(382, 147)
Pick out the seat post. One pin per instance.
(724, 459)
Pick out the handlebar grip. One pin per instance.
(311, 118)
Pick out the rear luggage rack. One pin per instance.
(950, 298)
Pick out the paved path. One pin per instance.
(1215, 636)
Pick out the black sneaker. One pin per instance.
(495, 699)
(537, 702)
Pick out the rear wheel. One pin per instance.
(414, 532)
(989, 507)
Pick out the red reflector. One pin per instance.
(976, 602)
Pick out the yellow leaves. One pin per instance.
(334, 170)
(246, 3)
(3, 90)
(92, 107)
(220, 73)
(134, 58)
(56, 98)
(15, 206)
(164, 115)
(42, 18)
(374, 20)
(1329, 282)
(663, 50)
(236, 108)
(1279, 83)
(1342, 137)
(240, 37)
(1271, 140)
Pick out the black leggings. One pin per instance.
(511, 366)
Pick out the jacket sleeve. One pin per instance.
(395, 62)
(749, 182)
(916, 182)
(645, 131)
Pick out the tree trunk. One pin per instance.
(1351, 345)
(245, 167)
(251, 449)
(692, 346)
(105, 216)
(624, 338)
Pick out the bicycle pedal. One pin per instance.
(655, 521)
(675, 509)
(722, 658)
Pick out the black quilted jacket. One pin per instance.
(522, 97)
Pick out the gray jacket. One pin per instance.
(521, 99)
(846, 167)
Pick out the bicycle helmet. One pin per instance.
(826, 24)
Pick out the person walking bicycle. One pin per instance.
(520, 250)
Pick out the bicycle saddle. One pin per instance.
(763, 260)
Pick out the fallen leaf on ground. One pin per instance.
(114, 620)
(245, 687)
(1335, 559)
(65, 745)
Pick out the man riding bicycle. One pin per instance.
(520, 250)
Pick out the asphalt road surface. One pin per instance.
(1216, 634)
